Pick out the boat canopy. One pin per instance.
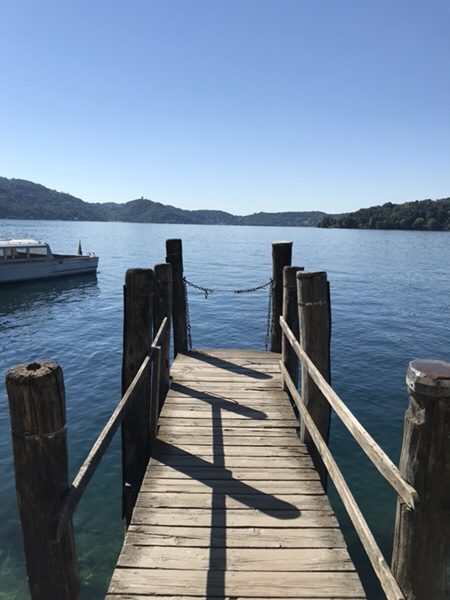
(10, 243)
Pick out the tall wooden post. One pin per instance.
(281, 257)
(174, 256)
(422, 536)
(137, 338)
(290, 314)
(315, 331)
(163, 308)
(39, 438)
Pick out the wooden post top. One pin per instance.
(282, 243)
(289, 277)
(429, 378)
(36, 398)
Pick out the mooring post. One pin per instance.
(174, 256)
(281, 257)
(137, 335)
(315, 330)
(163, 308)
(422, 536)
(39, 439)
(290, 314)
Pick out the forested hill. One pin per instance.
(20, 199)
(425, 215)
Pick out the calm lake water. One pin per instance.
(390, 295)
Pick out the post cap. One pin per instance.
(429, 377)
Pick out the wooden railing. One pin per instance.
(90, 464)
(373, 451)
(421, 544)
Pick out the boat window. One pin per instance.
(40, 252)
(15, 253)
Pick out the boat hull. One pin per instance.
(60, 266)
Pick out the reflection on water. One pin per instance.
(23, 296)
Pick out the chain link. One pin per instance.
(208, 291)
(269, 316)
(188, 316)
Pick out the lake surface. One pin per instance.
(390, 293)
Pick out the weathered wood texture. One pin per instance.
(422, 536)
(231, 504)
(281, 257)
(315, 332)
(174, 256)
(39, 438)
(162, 309)
(290, 314)
(137, 338)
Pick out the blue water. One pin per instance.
(390, 295)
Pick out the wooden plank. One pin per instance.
(234, 462)
(239, 473)
(237, 583)
(237, 501)
(233, 517)
(232, 438)
(258, 486)
(236, 559)
(232, 411)
(239, 352)
(193, 424)
(178, 391)
(243, 537)
(120, 596)
(228, 451)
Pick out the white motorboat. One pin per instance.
(25, 260)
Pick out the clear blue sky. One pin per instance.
(243, 105)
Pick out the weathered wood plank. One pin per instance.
(192, 423)
(243, 537)
(249, 486)
(232, 438)
(228, 451)
(236, 583)
(260, 501)
(234, 462)
(238, 473)
(196, 517)
(237, 559)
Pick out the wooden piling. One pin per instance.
(39, 439)
(174, 256)
(281, 257)
(315, 331)
(290, 313)
(163, 308)
(137, 337)
(422, 536)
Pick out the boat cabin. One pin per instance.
(24, 250)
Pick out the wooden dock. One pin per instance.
(231, 504)
(223, 481)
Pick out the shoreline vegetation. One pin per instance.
(421, 215)
(21, 199)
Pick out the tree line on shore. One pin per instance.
(421, 215)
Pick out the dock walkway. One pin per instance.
(231, 505)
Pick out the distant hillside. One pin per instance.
(422, 215)
(20, 199)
